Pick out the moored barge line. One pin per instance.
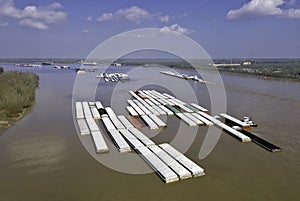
(236, 121)
(92, 124)
(173, 109)
(240, 136)
(162, 170)
(169, 112)
(194, 119)
(142, 107)
(86, 110)
(261, 142)
(159, 110)
(135, 107)
(131, 111)
(195, 169)
(83, 127)
(99, 142)
(202, 109)
(204, 120)
(141, 136)
(125, 121)
(117, 122)
(186, 119)
(95, 112)
(131, 139)
(108, 124)
(157, 120)
(181, 171)
(79, 110)
(149, 122)
(119, 141)
(135, 122)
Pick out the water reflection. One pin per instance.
(38, 154)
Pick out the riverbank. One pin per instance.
(17, 96)
(277, 69)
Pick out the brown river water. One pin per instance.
(42, 157)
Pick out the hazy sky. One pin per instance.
(67, 28)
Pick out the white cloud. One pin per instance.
(182, 15)
(86, 31)
(55, 5)
(176, 28)
(33, 24)
(164, 18)
(3, 24)
(134, 14)
(104, 17)
(256, 8)
(38, 17)
(89, 18)
(291, 13)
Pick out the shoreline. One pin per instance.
(6, 123)
(265, 77)
(17, 96)
(260, 76)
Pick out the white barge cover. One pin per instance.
(154, 101)
(149, 122)
(143, 138)
(148, 94)
(95, 112)
(99, 142)
(159, 94)
(125, 121)
(193, 118)
(186, 119)
(181, 171)
(149, 102)
(83, 127)
(116, 122)
(79, 110)
(131, 111)
(99, 105)
(230, 130)
(135, 107)
(92, 124)
(142, 107)
(237, 121)
(185, 108)
(186, 162)
(159, 110)
(119, 141)
(86, 110)
(165, 173)
(204, 120)
(131, 139)
(202, 109)
(153, 111)
(169, 112)
(110, 112)
(157, 120)
(108, 124)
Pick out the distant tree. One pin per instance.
(1, 70)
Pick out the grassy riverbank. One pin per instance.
(17, 96)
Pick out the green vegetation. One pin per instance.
(284, 69)
(17, 96)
